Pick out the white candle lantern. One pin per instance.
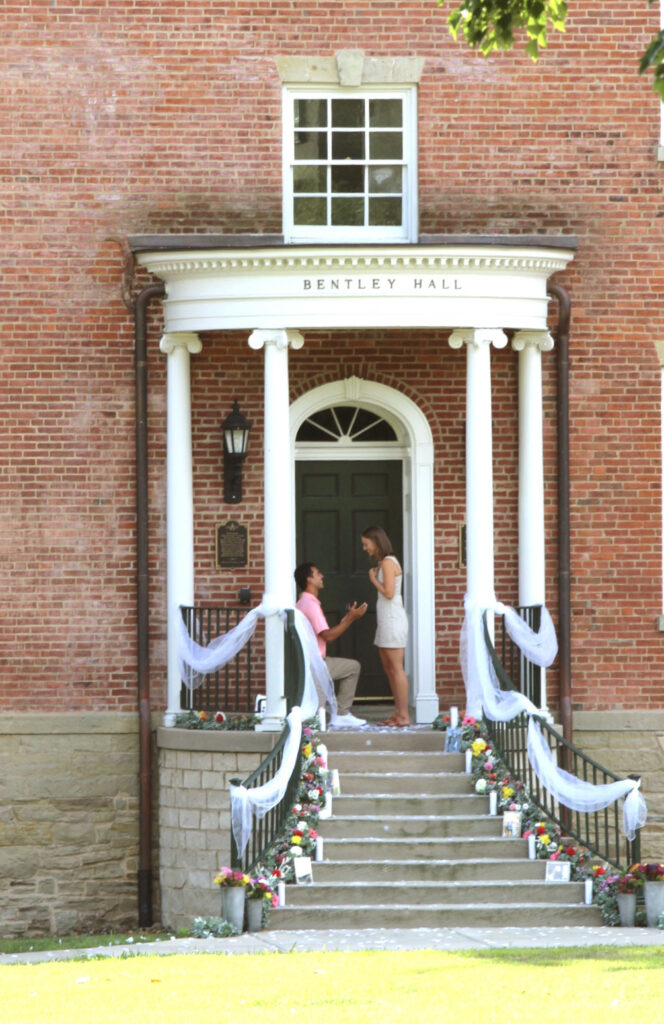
(531, 847)
(281, 893)
(469, 761)
(322, 718)
(454, 717)
(588, 894)
(493, 802)
(319, 848)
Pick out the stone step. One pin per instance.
(416, 825)
(453, 848)
(426, 892)
(326, 871)
(394, 915)
(416, 739)
(383, 761)
(362, 783)
(405, 804)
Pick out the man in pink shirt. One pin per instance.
(345, 672)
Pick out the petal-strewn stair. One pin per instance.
(410, 845)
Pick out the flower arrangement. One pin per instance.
(215, 720)
(630, 880)
(230, 878)
(262, 889)
(649, 872)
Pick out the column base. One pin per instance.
(427, 707)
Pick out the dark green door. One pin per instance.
(335, 501)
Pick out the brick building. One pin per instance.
(356, 181)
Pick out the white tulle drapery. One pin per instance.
(196, 661)
(484, 697)
(258, 801)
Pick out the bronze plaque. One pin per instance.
(232, 545)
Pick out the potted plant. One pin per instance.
(260, 896)
(653, 888)
(627, 884)
(233, 894)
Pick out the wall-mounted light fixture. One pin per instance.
(235, 433)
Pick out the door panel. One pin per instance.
(335, 501)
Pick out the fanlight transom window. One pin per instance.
(346, 424)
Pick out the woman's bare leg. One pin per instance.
(392, 662)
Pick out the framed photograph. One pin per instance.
(558, 870)
(512, 824)
(303, 872)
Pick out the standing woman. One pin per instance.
(392, 624)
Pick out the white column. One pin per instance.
(180, 502)
(479, 461)
(279, 557)
(530, 345)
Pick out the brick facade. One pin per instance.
(132, 118)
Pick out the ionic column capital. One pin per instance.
(279, 338)
(188, 340)
(477, 337)
(541, 340)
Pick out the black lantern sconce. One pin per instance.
(235, 433)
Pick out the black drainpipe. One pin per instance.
(564, 599)
(153, 291)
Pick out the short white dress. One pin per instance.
(391, 620)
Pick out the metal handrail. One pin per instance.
(266, 829)
(598, 831)
(229, 688)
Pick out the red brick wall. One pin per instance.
(130, 118)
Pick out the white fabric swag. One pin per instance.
(484, 697)
(196, 661)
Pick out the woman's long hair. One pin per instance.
(381, 540)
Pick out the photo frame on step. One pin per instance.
(303, 873)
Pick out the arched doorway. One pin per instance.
(366, 450)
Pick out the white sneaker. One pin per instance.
(348, 722)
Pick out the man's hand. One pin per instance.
(356, 611)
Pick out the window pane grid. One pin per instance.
(345, 136)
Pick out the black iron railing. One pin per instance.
(230, 688)
(266, 829)
(599, 831)
(526, 677)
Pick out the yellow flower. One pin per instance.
(307, 749)
(296, 840)
(245, 879)
(545, 839)
(478, 747)
(508, 791)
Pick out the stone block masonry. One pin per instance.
(68, 823)
(195, 769)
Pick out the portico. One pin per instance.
(477, 288)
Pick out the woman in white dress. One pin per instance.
(391, 620)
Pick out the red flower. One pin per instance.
(540, 830)
(570, 851)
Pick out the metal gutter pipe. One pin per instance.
(564, 590)
(152, 291)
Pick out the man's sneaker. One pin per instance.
(348, 722)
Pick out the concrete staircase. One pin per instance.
(411, 846)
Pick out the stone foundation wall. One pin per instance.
(195, 769)
(630, 743)
(68, 823)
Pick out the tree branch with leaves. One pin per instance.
(488, 25)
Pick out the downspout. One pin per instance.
(564, 590)
(145, 918)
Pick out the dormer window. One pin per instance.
(350, 168)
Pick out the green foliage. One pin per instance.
(205, 927)
(653, 60)
(489, 25)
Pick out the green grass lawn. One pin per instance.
(590, 985)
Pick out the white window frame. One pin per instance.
(408, 230)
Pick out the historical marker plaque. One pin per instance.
(232, 545)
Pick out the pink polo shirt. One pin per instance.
(311, 607)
